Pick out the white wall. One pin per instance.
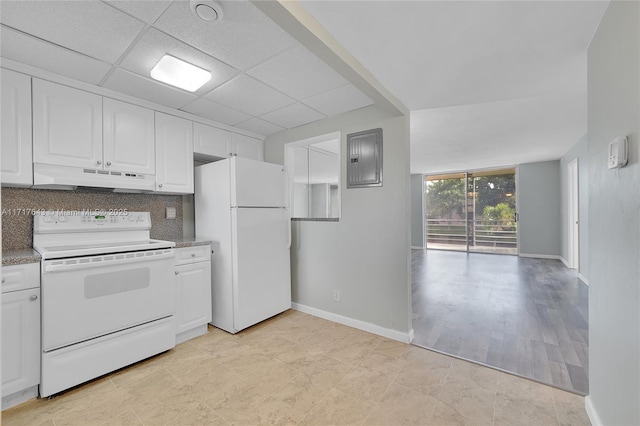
(613, 70)
(365, 255)
(579, 151)
(538, 207)
(417, 206)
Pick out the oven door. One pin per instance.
(87, 297)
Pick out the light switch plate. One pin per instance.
(171, 212)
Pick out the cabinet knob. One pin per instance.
(108, 163)
(99, 162)
(4, 280)
(159, 185)
(33, 297)
(193, 255)
(176, 272)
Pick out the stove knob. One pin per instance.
(48, 219)
(140, 218)
(132, 218)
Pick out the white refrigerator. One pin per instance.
(241, 205)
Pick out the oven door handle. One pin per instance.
(104, 260)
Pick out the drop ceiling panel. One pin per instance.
(148, 11)
(243, 38)
(215, 111)
(29, 50)
(292, 71)
(250, 96)
(134, 85)
(293, 115)
(260, 127)
(339, 100)
(89, 27)
(155, 44)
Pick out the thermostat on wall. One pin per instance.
(618, 152)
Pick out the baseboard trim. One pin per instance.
(594, 418)
(566, 263)
(417, 248)
(583, 279)
(19, 397)
(541, 256)
(351, 322)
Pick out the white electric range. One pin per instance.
(107, 294)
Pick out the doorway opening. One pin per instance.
(472, 211)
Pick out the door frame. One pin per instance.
(573, 215)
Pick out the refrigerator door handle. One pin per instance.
(288, 202)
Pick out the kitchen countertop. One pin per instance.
(190, 242)
(19, 257)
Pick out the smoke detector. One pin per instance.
(207, 10)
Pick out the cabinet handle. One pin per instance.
(159, 185)
(176, 272)
(108, 163)
(99, 162)
(193, 255)
(4, 280)
(33, 297)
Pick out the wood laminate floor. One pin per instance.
(522, 315)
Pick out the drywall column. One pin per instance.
(417, 211)
(365, 255)
(579, 151)
(613, 70)
(538, 190)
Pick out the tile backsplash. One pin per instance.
(18, 203)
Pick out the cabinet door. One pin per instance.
(20, 340)
(210, 141)
(174, 154)
(193, 287)
(247, 147)
(128, 137)
(67, 126)
(17, 168)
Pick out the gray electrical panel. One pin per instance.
(364, 159)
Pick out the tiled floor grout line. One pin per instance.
(495, 400)
(555, 407)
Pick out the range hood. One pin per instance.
(53, 176)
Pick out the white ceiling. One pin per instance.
(263, 80)
(488, 83)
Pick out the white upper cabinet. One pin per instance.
(128, 137)
(244, 146)
(209, 141)
(16, 139)
(174, 154)
(67, 126)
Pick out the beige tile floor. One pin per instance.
(299, 369)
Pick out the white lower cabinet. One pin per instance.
(193, 291)
(20, 333)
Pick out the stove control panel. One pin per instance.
(88, 221)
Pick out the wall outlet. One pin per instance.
(336, 295)
(171, 212)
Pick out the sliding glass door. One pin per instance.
(445, 211)
(473, 211)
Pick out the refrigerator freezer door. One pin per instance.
(257, 184)
(261, 271)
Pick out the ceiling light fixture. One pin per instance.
(207, 10)
(179, 73)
